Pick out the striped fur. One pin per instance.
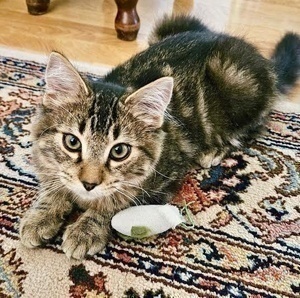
(188, 99)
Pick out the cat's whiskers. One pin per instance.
(52, 185)
(146, 192)
(161, 174)
(74, 197)
(55, 176)
(51, 190)
(136, 186)
(48, 171)
(132, 199)
(112, 201)
(134, 196)
(158, 192)
(55, 184)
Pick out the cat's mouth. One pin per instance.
(113, 190)
(98, 192)
(85, 191)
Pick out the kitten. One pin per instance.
(130, 138)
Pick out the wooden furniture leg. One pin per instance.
(127, 22)
(37, 7)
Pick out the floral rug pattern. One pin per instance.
(245, 241)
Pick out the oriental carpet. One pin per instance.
(245, 241)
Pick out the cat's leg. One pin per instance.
(212, 158)
(44, 219)
(88, 235)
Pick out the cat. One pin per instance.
(129, 138)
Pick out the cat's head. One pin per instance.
(97, 140)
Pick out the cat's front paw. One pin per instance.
(37, 228)
(82, 238)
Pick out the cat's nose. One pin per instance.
(89, 186)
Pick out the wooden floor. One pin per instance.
(84, 30)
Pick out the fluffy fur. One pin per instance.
(188, 99)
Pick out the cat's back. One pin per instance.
(175, 54)
(216, 77)
(186, 54)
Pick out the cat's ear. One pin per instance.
(62, 80)
(150, 102)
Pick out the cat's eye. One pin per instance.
(71, 143)
(120, 152)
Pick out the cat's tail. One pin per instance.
(171, 25)
(286, 60)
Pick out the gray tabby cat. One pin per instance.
(187, 100)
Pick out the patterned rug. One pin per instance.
(245, 242)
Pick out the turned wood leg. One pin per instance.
(127, 22)
(37, 7)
